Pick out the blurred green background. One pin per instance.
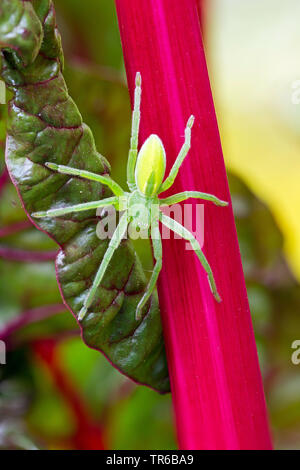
(55, 393)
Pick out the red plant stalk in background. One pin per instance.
(4, 179)
(215, 378)
(88, 435)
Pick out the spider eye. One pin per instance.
(150, 166)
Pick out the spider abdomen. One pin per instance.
(150, 166)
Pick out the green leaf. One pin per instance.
(44, 124)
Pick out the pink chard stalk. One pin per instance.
(215, 378)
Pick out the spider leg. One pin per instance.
(77, 208)
(113, 245)
(136, 116)
(186, 234)
(181, 156)
(157, 251)
(67, 170)
(194, 194)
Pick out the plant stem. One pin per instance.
(215, 378)
(4, 179)
(88, 434)
(30, 316)
(15, 228)
(26, 256)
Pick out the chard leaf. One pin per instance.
(45, 125)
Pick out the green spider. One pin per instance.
(145, 174)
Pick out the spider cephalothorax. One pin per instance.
(141, 206)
